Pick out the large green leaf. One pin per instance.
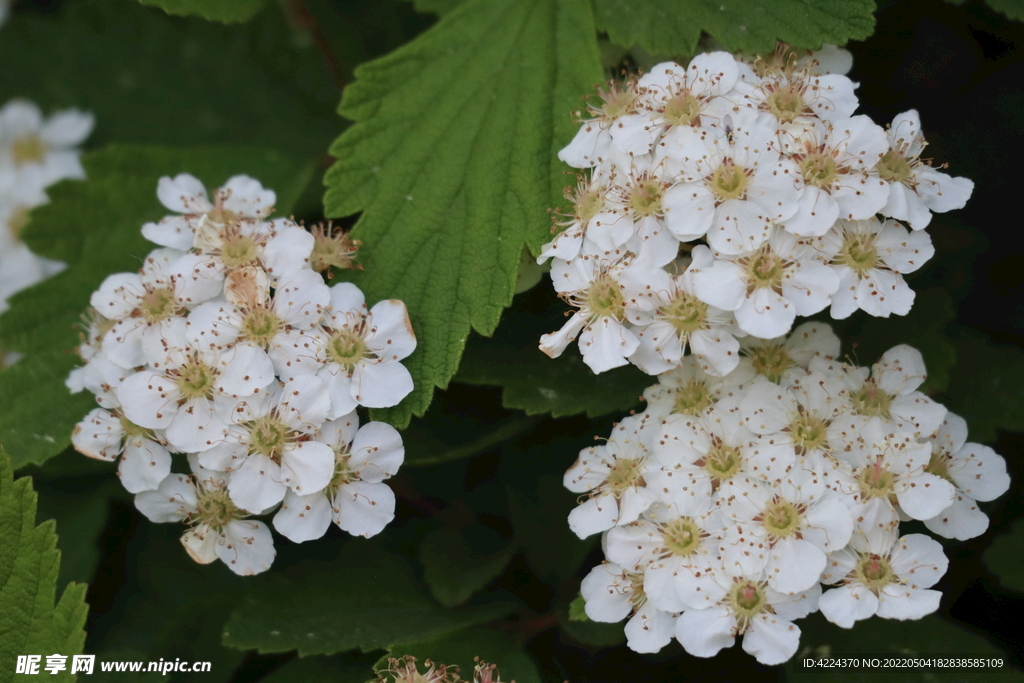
(669, 27)
(30, 623)
(366, 600)
(459, 562)
(461, 648)
(452, 160)
(226, 11)
(1014, 9)
(930, 637)
(156, 79)
(94, 226)
(338, 669)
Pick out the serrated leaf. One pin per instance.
(163, 595)
(452, 160)
(987, 386)
(459, 562)
(459, 649)
(1002, 557)
(931, 636)
(226, 11)
(536, 384)
(366, 600)
(673, 27)
(94, 227)
(158, 79)
(30, 623)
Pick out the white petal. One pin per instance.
(848, 604)
(381, 385)
(649, 630)
(307, 467)
(145, 464)
(201, 544)
(246, 547)
(390, 333)
(795, 565)
(172, 501)
(364, 509)
(771, 639)
(595, 515)
(257, 485)
(303, 518)
(705, 632)
(377, 452)
(907, 603)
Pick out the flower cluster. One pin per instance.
(729, 502)
(406, 670)
(35, 152)
(782, 199)
(228, 346)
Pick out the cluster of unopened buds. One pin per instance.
(763, 467)
(35, 152)
(228, 346)
(781, 201)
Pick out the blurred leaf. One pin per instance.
(226, 11)
(932, 636)
(80, 507)
(439, 7)
(1003, 557)
(460, 649)
(338, 669)
(30, 623)
(157, 79)
(987, 386)
(536, 384)
(452, 161)
(1013, 9)
(669, 27)
(105, 215)
(426, 443)
(166, 607)
(366, 599)
(924, 328)
(459, 562)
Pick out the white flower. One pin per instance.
(870, 258)
(167, 286)
(691, 390)
(42, 151)
(190, 391)
(768, 287)
(669, 316)
(104, 435)
(590, 285)
(285, 326)
(915, 188)
(356, 498)
(834, 159)
(612, 475)
(887, 397)
(219, 528)
(977, 472)
(798, 96)
(363, 349)
(594, 227)
(883, 578)
(674, 545)
(783, 528)
(611, 594)
(671, 95)
(753, 609)
(269, 448)
(733, 184)
(592, 143)
(781, 359)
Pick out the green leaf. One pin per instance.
(932, 636)
(987, 386)
(439, 7)
(339, 669)
(459, 562)
(459, 649)
(671, 27)
(428, 443)
(163, 595)
(80, 507)
(94, 226)
(534, 383)
(155, 79)
(226, 11)
(1002, 557)
(366, 599)
(452, 160)
(577, 625)
(30, 624)
(1013, 9)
